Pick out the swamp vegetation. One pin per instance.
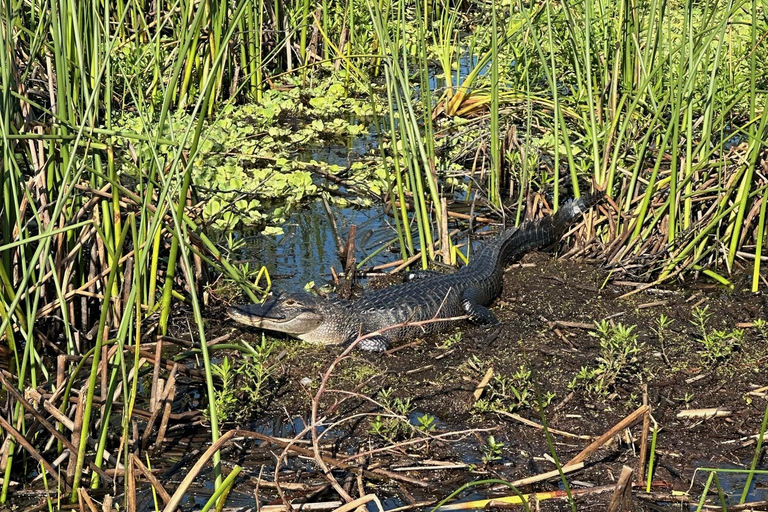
(146, 144)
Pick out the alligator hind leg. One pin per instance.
(477, 313)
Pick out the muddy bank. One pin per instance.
(679, 349)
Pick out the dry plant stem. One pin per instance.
(416, 441)
(625, 423)
(130, 486)
(34, 453)
(644, 438)
(374, 474)
(46, 424)
(323, 384)
(622, 496)
(173, 504)
(754, 505)
(352, 505)
(354, 394)
(287, 446)
(84, 499)
(546, 476)
(713, 412)
(418, 504)
(325, 505)
(483, 384)
(151, 478)
(531, 423)
(315, 404)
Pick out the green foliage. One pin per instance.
(450, 341)
(511, 393)
(244, 385)
(762, 328)
(394, 427)
(246, 167)
(617, 360)
(717, 344)
(427, 423)
(492, 450)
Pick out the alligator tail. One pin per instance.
(548, 231)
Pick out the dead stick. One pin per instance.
(375, 474)
(359, 502)
(600, 441)
(483, 384)
(173, 504)
(152, 480)
(46, 424)
(549, 474)
(622, 495)
(644, 438)
(531, 423)
(35, 455)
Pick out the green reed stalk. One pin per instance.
(61, 201)
(588, 59)
(759, 244)
(652, 459)
(552, 450)
(100, 337)
(494, 182)
(222, 491)
(556, 118)
(757, 454)
(304, 22)
(705, 491)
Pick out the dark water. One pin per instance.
(307, 249)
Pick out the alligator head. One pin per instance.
(302, 316)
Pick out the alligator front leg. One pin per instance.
(476, 312)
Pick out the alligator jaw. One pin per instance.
(278, 314)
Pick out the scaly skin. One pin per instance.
(431, 297)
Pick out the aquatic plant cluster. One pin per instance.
(251, 167)
(135, 133)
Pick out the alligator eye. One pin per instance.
(290, 302)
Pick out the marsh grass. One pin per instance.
(661, 105)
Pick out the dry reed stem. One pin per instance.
(46, 424)
(173, 504)
(531, 423)
(354, 504)
(704, 414)
(84, 500)
(644, 438)
(483, 384)
(130, 486)
(169, 396)
(325, 505)
(416, 441)
(570, 468)
(34, 453)
(154, 482)
(628, 421)
(621, 500)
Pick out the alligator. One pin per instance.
(418, 307)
